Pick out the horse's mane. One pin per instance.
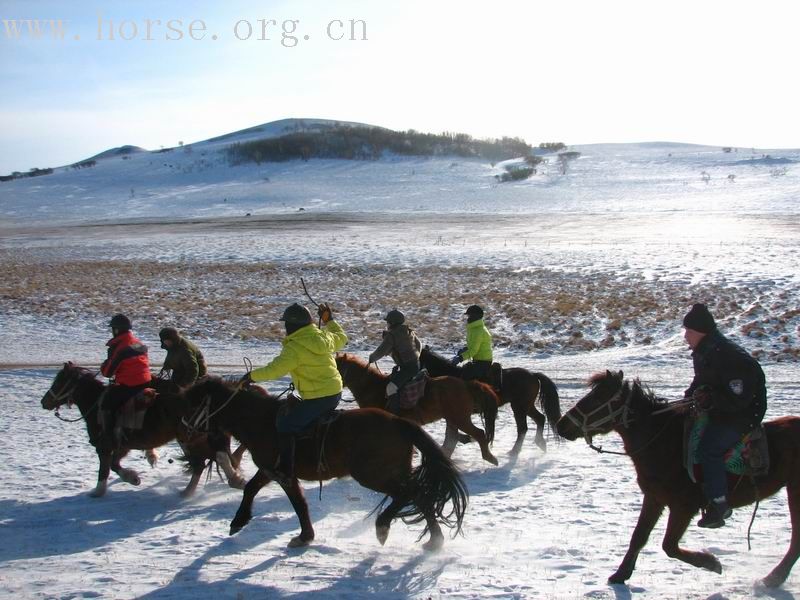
(214, 386)
(361, 364)
(435, 355)
(641, 394)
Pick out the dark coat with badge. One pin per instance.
(401, 343)
(734, 379)
(185, 361)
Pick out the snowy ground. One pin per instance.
(579, 272)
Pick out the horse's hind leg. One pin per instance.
(191, 487)
(781, 572)
(236, 457)
(436, 540)
(384, 520)
(521, 419)
(539, 419)
(245, 511)
(480, 436)
(648, 517)
(450, 439)
(235, 479)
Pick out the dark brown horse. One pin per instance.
(162, 424)
(371, 446)
(520, 387)
(654, 441)
(448, 398)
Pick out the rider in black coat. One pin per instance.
(730, 385)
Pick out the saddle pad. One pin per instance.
(748, 457)
(412, 392)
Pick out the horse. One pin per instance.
(652, 433)
(162, 424)
(372, 446)
(448, 398)
(520, 387)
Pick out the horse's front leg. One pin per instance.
(450, 439)
(104, 456)
(245, 511)
(235, 479)
(679, 519)
(298, 500)
(648, 517)
(127, 475)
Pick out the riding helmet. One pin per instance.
(169, 333)
(474, 311)
(120, 322)
(296, 314)
(395, 317)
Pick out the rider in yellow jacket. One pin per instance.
(307, 355)
(479, 346)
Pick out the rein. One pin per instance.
(586, 427)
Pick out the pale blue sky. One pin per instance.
(581, 71)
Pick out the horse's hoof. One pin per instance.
(187, 493)
(298, 542)
(382, 533)
(715, 566)
(235, 528)
(152, 457)
(99, 491)
(433, 544)
(617, 579)
(541, 444)
(490, 458)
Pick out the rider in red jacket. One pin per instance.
(128, 365)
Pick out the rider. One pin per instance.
(730, 385)
(128, 365)
(479, 346)
(184, 359)
(403, 345)
(307, 355)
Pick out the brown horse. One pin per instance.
(654, 441)
(448, 398)
(520, 387)
(162, 424)
(372, 446)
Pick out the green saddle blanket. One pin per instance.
(749, 456)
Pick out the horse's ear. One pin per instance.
(620, 375)
(68, 364)
(608, 374)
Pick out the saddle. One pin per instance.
(413, 391)
(131, 413)
(319, 428)
(749, 457)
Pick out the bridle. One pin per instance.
(65, 394)
(583, 420)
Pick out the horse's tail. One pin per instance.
(484, 397)
(548, 400)
(433, 485)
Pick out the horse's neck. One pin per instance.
(441, 366)
(651, 437)
(250, 418)
(369, 388)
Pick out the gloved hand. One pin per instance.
(372, 359)
(325, 313)
(456, 360)
(245, 380)
(703, 397)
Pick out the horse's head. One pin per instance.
(352, 368)
(599, 411)
(62, 389)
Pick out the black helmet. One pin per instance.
(169, 333)
(120, 322)
(296, 314)
(474, 311)
(395, 317)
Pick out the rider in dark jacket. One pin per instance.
(730, 385)
(402, 344)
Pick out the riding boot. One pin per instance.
(285, 470)
(715, 514)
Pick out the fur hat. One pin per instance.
(699, 319)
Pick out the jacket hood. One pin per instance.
(310, 338)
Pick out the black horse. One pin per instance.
(653, 438)
(520, 387)
(162, 424)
